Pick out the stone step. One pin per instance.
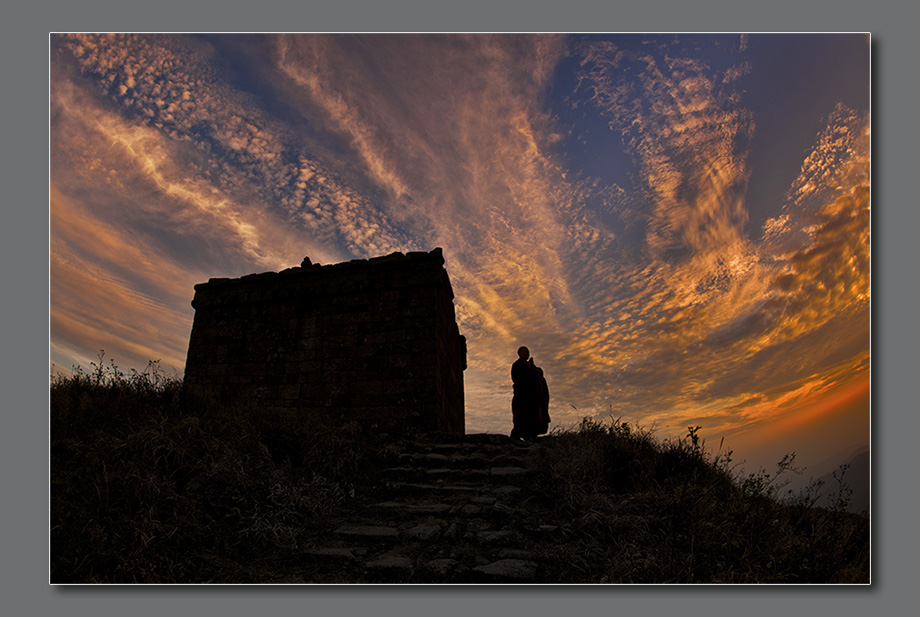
(334, 554)
(457, 461)
(494, 537)
(457, 476)
(475, 460)
(446, 512)
(509, 471)
(424, 531)
(468, 506)
(443, 570)
(392, 563)
(368, 532)
(437, 472)
(507, 571)
(444, 488)
(413, 509)
(401, 569)
(484, 444)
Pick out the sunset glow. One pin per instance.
(678, 227)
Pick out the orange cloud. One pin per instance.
(650, 300)
(91, 307)
(812, 409)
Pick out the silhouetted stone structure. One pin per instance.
(372, 341)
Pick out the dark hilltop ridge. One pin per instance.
(150, 484)
(318, 437)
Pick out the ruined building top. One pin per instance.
(307, 267)
(373, 341)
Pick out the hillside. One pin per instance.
(150, 486)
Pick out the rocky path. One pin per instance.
(448, 510)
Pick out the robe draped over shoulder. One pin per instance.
(526, 402)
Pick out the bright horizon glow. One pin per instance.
(677, 226)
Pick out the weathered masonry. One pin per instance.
(374, 341)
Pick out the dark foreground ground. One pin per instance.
(148, 486)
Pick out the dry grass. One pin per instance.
(149, 485)
(641, 511)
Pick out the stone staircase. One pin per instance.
(449, 509)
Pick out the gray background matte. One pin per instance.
(25, 273)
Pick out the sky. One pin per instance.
(677, 226)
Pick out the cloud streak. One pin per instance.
(639, 286)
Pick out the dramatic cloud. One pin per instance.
(591, 195)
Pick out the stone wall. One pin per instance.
(374, 341)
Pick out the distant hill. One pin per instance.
(856, 477)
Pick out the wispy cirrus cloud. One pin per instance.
(641, 290)
(456, 142)
(691, 317)
(113, 291)
(221, 139)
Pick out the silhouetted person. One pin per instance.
(543, 418)
(530, 403)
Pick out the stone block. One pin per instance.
(289, 391)
(511, 570)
